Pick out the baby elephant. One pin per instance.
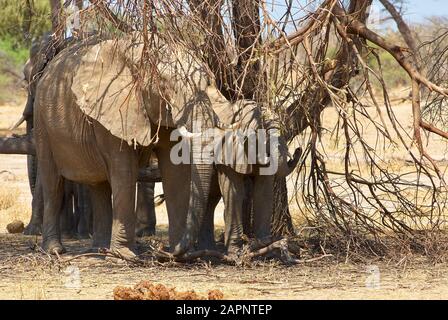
(233, 168)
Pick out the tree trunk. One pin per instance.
(26, 23)
(17, 145)
(281, 225)
(246, 29)
(56, 21)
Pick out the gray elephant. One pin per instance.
(90, 106)
(92, 126)
(233, 163)
(75, 216)
(42, 51)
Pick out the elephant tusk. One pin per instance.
(21, 120)
(235, 126)
(187, 134)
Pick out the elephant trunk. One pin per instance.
(31, 161)
(285, 167)
(201, 176)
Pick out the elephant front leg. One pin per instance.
(34, 227)
(175, 181)
(123, 181)
(232, 190)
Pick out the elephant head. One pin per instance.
(110, 86)
(257, 145)
(42, 50)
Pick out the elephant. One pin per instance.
(95, 103)
(43, 49)
(76, 210)
(233, 175)
(108, 127)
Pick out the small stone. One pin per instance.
(16, 226)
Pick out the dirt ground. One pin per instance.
(27, 274)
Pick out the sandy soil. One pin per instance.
(26, 274)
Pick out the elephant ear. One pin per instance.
(105, 90)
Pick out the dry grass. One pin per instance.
(11, 208)
(7, 197)
(9, 114)
(26, 274)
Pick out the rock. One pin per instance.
(16, 226)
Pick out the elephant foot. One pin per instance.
(260, 243)
(234, 250)
(145, 232)
(82, 236)
(207, 245)
(68, 235)
(92, 249)
(184, 245)
(53, 247)
(33, 229)
(98, 245)
(122, 254)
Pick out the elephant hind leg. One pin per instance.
(53, 190)
(102, 215)
(83, 211)
(67, 218)
(146, 213)
(263, 202)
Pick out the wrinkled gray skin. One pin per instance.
(102, 161)
(41, 52)
(67, 122)
(232, 179)
(76, 212)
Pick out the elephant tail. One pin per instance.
(158, 200)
